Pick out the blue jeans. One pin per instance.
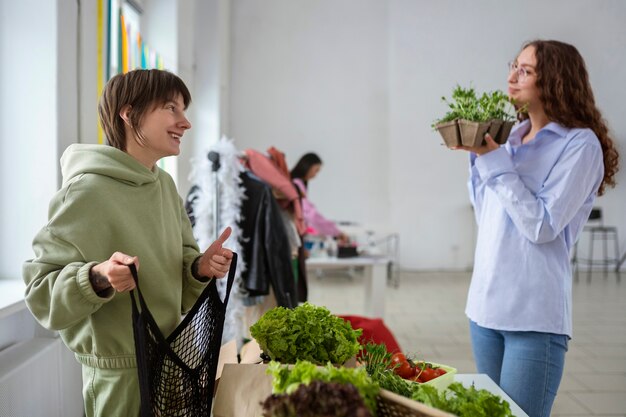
(528, 366)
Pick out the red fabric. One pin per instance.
(264, 168)
(374, 330)
(279, 160)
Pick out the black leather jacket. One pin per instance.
(265, 244)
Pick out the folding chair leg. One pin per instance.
(618, 262)
(605, 245)
(591, 242)
(575, 262)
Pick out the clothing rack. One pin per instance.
(214, 157)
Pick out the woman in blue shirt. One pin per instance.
(532, 197)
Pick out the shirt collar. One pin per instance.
(556, 128)
(522, 128)
(515, 138)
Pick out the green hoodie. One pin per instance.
(110, 202)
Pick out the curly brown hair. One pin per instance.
(567, 98)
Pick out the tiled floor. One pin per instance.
(425, 313)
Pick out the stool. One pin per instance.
(598, 232)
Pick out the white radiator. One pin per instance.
(40, 378)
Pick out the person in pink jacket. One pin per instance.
(306, 169)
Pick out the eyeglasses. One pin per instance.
(522, 72)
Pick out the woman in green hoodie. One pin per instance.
(116, 207)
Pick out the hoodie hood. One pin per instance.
(104, 160)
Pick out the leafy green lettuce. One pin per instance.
(464, 402)
(307, 332)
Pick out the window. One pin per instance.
(128, 51)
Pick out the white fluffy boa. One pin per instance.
(230, 197)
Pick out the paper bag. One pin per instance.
(228, 354)
(244, 386)
(242, 389)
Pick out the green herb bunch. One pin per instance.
(378, 365)
(307, 332)
(465, 104)
(286, 380)
(496, 105)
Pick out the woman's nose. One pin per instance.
(512, 77)
(185, 123)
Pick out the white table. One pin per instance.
(375, 279)
(482, 381)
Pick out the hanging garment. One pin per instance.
(278, 158)
(288, 196)
(302, 284)
(265, 244)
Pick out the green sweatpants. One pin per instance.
(111, 392)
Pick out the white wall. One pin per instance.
(87, 65)
(209, 109)
(359, 82)
(312, 76)
(38, 118)
(29, 126)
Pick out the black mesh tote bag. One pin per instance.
(177, 373)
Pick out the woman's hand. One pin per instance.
(490, 145)
(215, 262)
(114, 273)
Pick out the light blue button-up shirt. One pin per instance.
(531, 202)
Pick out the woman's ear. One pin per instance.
(125, 113)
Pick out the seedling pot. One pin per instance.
(504, 132)
(476, 114)
(449, 131)
(473, 133)
(494, 128)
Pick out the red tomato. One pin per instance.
(405, 370)
(398, 357)
(440, 371)
(428, 374)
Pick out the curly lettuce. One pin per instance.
(464, 402)
(307, 332)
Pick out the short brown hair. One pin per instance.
(567, 98)
(143, 90)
